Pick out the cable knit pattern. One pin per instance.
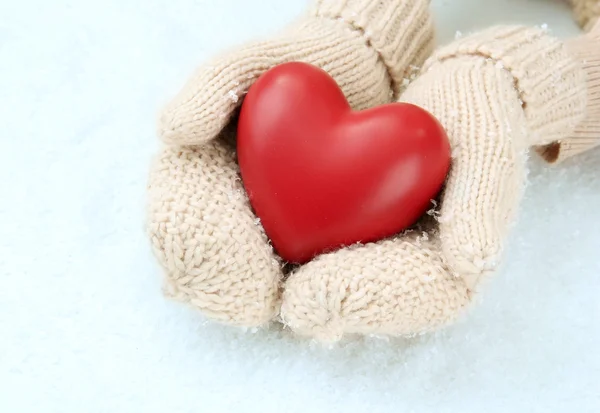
(213, 249)
(491, 91)
(366, 45)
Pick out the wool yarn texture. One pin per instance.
(212, 248)
(586, 136)
(498, 93)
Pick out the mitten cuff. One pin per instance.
(550, 83)
(401, 31)
(586, 135)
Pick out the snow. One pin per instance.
(84, 325)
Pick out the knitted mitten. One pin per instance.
(586, 12)
(213, 249)
(497, 93)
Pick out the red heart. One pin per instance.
(320, 176)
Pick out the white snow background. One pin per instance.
(83, 324)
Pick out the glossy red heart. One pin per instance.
(321, 176)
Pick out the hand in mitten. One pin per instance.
(213, 250)
(497, 93)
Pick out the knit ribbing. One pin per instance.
(401, 32)
(586, 135)
(487, 127)
(551, 83)
(365, 45)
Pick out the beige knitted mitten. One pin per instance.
(213, 249)
(497, 93)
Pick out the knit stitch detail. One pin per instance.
(586, 135)
(401, 32)
(423, 279)
(552, 89)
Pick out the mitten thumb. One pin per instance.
(497, 93)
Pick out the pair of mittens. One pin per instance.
(497, 93)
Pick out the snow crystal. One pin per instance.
(232, 94)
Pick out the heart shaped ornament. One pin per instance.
(321, 176)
